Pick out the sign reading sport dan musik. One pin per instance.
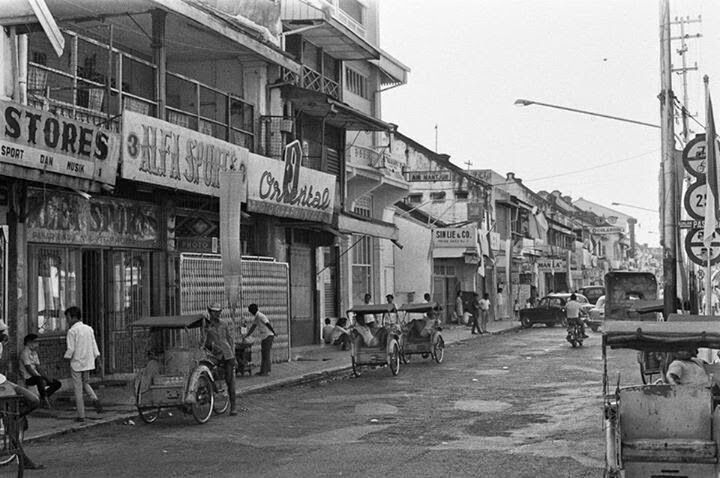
(38, 139)
(455, 236)
(162, 153)
(286, 189)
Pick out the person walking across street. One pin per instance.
(33, 374)
(484, 312)
(475, 311)
(220, 342)
(266, 334)
(82, 351)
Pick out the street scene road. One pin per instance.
(522, 404)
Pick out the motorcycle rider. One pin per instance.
(572, 312)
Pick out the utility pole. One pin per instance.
(687, 270)
(668, 188)
(436, 137)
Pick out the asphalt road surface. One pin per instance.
(522, 404)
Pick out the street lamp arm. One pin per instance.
(636, 207)
(523, 102)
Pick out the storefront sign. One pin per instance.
(427, 176)
(606, 230)
(455, 236)
(552, 265)
(158, 152)
(287, 189)
(68, 218)
(198, 244)
(37, 139)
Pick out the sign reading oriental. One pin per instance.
(158, 152)
(37, 139)
(286, 189)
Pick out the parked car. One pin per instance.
(592, 292)
(550, 310)
(597, 314)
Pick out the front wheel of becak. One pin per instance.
(394, 359)
(202, 408)
(439, 350)
(148, 414)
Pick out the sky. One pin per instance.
(471, 59)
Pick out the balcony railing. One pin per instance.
(345, 19)
(82, 92)
(313, 80)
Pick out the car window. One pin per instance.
(557, 302)
(544, 302)
(582, 299)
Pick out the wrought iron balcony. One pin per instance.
(314, 81)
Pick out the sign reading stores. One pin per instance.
(455, 236)
(37, 139)
(286, 189)
(158, 152)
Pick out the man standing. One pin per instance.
(220, 342)
(484, 312)
(459, 310)
(327, 331)
(266, 334)
(82, 351)
(33, 374)
(475, 311)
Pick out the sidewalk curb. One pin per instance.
(311, 377)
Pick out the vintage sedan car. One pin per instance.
(550, 310)
(592, 292)
(596, 315)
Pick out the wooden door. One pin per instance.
(302, 296)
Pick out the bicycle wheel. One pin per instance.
(204, 400)
(8, 452)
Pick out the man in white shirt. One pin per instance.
(572, 312)
(266, 334)
(82, 351)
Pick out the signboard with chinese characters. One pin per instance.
(455, 236)
(286, 189)
(162, 153)
(38, 139)
(68, 218)
(427, 176)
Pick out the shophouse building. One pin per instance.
(334, 109)
(118, 143)
(614, 241)
(447, 194)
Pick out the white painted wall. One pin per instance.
(413, 269)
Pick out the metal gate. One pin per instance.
(265, 282)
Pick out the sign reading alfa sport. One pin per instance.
(286, 189)
(37, 139)
(455, 236)
(158, 152)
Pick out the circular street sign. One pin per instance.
(696, 250)
(694, 155)
(694, 200)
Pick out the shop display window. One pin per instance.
(57, 287)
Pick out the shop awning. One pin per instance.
(335, 113)
(449, 252)
(352, 225)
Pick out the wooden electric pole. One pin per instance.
(668, 178)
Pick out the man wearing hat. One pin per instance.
(220, 342)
